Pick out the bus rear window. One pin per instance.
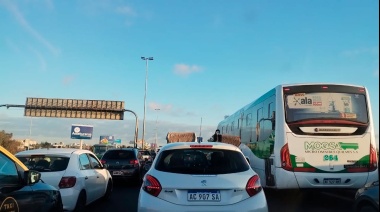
(326, 105)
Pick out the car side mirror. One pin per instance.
(33, 177)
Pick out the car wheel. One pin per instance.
(81, 202)
(108, 191)
(367, 208)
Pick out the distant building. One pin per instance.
(27, 144)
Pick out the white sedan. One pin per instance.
(77, 173)
(209, 176)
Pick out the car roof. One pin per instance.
(13, 158)
(186, 145)
(51, 151)
(128, 149)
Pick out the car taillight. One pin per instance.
(135, 163)
(285, 158)
(372, 159)
(151, 185)
(103, 161)
(253, 186)
(67, 182)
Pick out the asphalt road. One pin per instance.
(124, 198)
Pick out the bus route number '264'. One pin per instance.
(330, 157)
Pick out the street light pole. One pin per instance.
(146, 82)
(155, 142)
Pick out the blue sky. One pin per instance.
(210, 58)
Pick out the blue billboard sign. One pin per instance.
(107, 139)
(81, 131)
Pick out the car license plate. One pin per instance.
(331, 181)
(204, 195)
(116, 172)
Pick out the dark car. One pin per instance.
(367, 198)
(123, 163)
(146, 156)
(22, 190)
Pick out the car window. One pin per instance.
(94, 162)
(145, 152)
(8, 171)
(201, 161)
(119, 155)
(45, 163)
(84, 162)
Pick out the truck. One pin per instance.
(100, 149)
(173, 137)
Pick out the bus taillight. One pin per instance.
(285, 158)
(372, 159)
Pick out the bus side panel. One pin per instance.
(318, 180)
(256, 163)
(285, 179)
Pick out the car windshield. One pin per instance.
(201, 161)
(45, 163)
(119, 155)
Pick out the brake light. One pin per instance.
(325, 87)
(103, 161)
(200, 146)
(372, 166)
(372, 159)
(67, 182)
(285, 158)
(135, 163)
(151, 185)
(253, 186)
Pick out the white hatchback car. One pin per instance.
(77, 173)
(209, 176)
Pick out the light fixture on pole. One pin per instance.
(146, 82)
(155, 142)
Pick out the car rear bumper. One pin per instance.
(69, 198)
(147, 202)
(125, 173)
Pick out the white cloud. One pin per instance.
(40, 58)
(125, 10)
(184, 70)
(376, 72)
(361, 51)
(12, 46)
(25, 24)
(68, 79)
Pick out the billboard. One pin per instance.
(74, 108)
(79, 131)
(107, 139)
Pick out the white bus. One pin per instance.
(301, 136)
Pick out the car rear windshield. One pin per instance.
(145, 152)
(201, 161)
(119, 155)
(45, 163)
